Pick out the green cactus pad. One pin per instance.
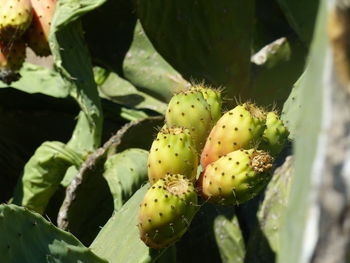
(125, 172)
(148, 71)
(27, 238)
(275, 135)
(15, 18)
(167, 211)
(43, 174)
(203, 40)
(241, 127)
(229, 239)
(189, 109)
(172, 152)
(213, 98)
(236, 177)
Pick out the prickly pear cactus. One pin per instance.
(43, 174)
(241, 127)
(189, 109)
(230, 240)
(213, 98)
(203, 40)
(172, 152)
(15, 18)
(236, 177)
(167, 211)
(275, 135)
(125, 172)
(27, 237)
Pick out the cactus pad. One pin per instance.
(27, 238)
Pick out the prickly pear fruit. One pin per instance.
(189, 109)
(236, 177)
(15, 18)
(275, 135)
(38, 33)
(172, 152)
(167, 211)
(213, 98)
(241, 127)
(12, 56)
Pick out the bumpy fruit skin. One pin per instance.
(38, 33)
(189, 109)
(12, 55)
(167, 211)
(236, 177)
(213, 98)
(15, 18)
(172, 152)
(241, 127)
(275, 135)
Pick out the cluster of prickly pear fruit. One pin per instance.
(23, 21)
(237, 152)
(238, 128)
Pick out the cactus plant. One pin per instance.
(30, 238)
(114, 67)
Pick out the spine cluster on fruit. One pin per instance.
(23, 22)
(236, 152)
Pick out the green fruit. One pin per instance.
(236, 177)
(213, 98)
(15, 18)
(167, 211)
(172, 152)
(275, 135)
(189, 109)
(241, 127)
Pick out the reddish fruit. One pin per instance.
(38, 33)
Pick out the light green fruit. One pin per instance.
(172, 152)
(236, 177)
(167, 211)
(213, 98)
(275, 135)
(189, 109)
